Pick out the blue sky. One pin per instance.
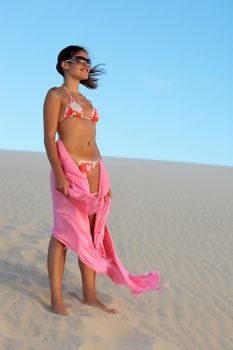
(167, 92)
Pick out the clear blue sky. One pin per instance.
(168, 90)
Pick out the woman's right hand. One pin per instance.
(62, 184)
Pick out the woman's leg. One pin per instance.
(56, 263)
(89, 275)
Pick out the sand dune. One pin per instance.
(173, 217)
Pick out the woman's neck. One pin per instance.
(72, 85)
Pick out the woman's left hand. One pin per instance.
(108, 194)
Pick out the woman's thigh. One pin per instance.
(94, 179)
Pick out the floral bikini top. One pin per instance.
(74, 110)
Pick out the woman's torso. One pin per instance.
(78, 134)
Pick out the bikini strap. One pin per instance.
(67, 91)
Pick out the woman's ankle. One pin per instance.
(56, 299)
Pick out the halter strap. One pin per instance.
(67, 91)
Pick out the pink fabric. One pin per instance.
(71, 226)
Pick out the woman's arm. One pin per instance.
(51, 110)
(51, 113)
(109, 192)
(99, 153)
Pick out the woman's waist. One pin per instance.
(81, 149)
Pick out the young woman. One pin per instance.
(80, 186)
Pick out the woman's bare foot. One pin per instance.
(100, 305)
(59, 308)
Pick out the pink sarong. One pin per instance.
(71, 226)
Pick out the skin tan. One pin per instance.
(78, 136)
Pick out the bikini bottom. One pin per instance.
(85, 166)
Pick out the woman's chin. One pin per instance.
(84, 77)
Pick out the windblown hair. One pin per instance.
(67, 53)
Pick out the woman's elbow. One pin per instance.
(49, 138)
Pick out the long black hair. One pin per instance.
(67, 53)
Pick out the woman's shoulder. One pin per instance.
(57, 90)
(56, 93)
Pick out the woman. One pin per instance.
(80, 186)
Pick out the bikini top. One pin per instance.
(74, 110)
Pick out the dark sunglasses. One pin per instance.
(80, 60)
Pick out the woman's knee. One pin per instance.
(56, 243)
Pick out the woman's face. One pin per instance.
(77, 68)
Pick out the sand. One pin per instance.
(173, 217)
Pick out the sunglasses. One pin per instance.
(80, 60)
